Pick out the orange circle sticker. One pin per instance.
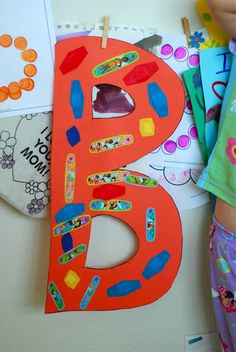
(26, 84)
(29, 55)
(20, 43)
(14, 89)
(5, 40)
(30, 70)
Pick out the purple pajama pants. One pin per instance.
(222, 258)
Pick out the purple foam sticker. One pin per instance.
(181, 53)
(193, 60)
(169, 147)
(166, 51)
(192, 132)
(183, 142)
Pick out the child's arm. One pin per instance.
(224, 12)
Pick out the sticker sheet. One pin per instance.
(27, 58)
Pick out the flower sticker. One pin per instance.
(231, 150)
(7, 161)
(196, 39)
(7, 143)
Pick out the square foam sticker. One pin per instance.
(25, 155)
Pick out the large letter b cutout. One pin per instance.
(87, 181)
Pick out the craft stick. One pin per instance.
(186, 27)
(105, 31)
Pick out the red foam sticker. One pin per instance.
(141, 73)
(107, 192)
(73, 59)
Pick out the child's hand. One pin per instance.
(224, 12)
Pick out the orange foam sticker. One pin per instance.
(145, 206)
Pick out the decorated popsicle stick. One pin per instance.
(90, 292)
(110, 205)
(70, 178)
(107, 177)
(141, 181)
(115, 63)
(56, 296)
(73, 253)
(111, 143)
(150, 225)
(71, 225)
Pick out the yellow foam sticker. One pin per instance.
(147, 127)
(71, 279)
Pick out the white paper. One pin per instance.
(33, 21)
(175, 53)
(181, 185)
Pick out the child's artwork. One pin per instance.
(217, 36)
(192, 78)
(27, 57)
(88, 179)
(181, 149)
(215, 68)
(25, 156)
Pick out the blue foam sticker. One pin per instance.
(69, 212)
(157, 99)
(123, 288)
(73, 136)
(156, 264)
(77, 99)
(67, 242)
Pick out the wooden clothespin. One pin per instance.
(106, 22)
(186, 27)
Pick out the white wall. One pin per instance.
(24, 243)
